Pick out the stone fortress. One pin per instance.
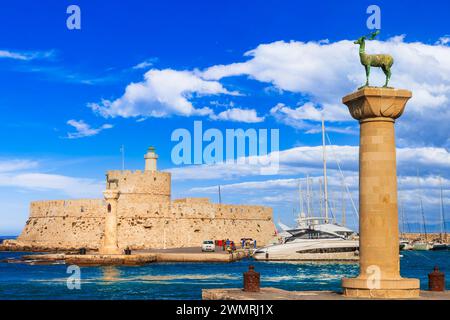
(137, 213)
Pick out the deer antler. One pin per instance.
(373, 34)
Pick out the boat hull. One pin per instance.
(310, 250)
(421, 247)
(440, 247)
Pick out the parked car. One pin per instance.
(208, 245)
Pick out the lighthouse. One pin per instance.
(150, 159)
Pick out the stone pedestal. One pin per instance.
(110, 240)
(376, 109)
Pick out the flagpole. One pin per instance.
(122, 150)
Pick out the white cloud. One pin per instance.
(303, 116)
(325, 72)
(443, 41)
(71, 186)
(304, 160)
(25, 56)
(84, 130)
(16, 165)
(21, 174)
(239, 115)
(161, 94)
(322, 71)
(144, 64)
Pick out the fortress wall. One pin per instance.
(73, 224)
(64, 224)
(60, 208)
(187, 225)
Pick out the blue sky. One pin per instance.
(230, 64)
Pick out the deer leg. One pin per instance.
(367, 75)
(387, 72)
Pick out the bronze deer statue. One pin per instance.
(383, 61)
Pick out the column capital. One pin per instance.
(111, 194)
(377, 104)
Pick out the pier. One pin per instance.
(279, 294)
(141, 257)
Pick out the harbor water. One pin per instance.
(186, 280)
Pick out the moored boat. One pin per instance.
(311, 244)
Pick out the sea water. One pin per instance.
(186, 280)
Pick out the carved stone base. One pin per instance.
(384, 289)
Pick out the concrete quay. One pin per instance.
(136, 258)
(279, 294)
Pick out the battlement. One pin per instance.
(153, 184)
(192, 200)
(65, 208)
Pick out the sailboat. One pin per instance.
(314, 238)
(421, 245)
(405, 244)
(441, 243)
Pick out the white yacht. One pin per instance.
(319, 224)
(313, 243)
(314, 238)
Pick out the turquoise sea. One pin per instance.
(185, 280)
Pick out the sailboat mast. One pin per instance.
(308, 205)
(313, 204)
(300, 193)
(320, 198)
(443, 228)
(325, 184)
(421, 208)
(343, 205)
(402, 215)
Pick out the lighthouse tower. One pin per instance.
(150, 159)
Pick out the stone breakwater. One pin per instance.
(429, 236)
(139, 258)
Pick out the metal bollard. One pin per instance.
(251, 280)
(436, 280)
(82, 251)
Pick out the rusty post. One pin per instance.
(436, 280)
(251, 280)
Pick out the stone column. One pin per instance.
(379, 277)
(110, 240)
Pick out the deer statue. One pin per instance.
(383, 61)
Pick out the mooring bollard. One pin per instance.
(251, 280)
(436, 280)
(83, 251)
(127, 251)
